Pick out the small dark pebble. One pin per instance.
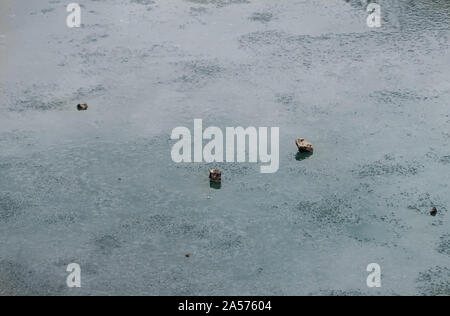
(434, 211)
(304, 146)
(82, 107)
(215, 175)
(188, 255)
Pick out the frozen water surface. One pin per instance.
(99, 187)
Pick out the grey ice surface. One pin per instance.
(375, 102)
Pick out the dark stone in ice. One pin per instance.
(434, 211)
(304, 146)
(215, 175)
(82, 107)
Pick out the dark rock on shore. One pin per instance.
(82, 107)
(434, 212)
(304, 146)
(215, 175)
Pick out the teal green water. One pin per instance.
(375, 103)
